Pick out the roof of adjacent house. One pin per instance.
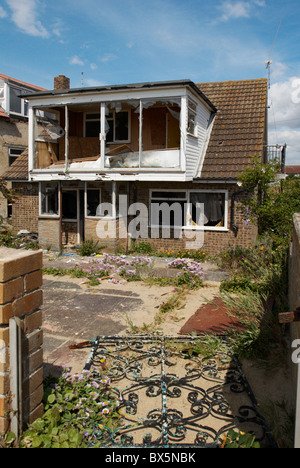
(292, 169)
(20, 83)
(19, 168)
(238, 132)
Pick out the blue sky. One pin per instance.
(127, 41)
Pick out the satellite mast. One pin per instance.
(82, 79)
(269, 61)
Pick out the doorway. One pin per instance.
(72, 216)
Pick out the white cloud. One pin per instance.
(278, 69)
(58, 27)
(93, 83)
(286, 106)
(93, 66)
(3, 13)
(284, 117)
(25, 16)
(231, 9)
(76, 61)
(234, 10)
(108, 58)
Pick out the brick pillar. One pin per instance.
(21, 296)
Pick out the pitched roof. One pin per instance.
(22, 83)
(18, 82)
(239, 128)
(292, 169)
(19, 168)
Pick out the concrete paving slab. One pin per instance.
(72, 314)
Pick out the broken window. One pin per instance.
(188, 208)
(93, 202)
(116, 125)
(49, 198)
(214, 208)
(92, 125)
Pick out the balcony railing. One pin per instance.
(276, 153)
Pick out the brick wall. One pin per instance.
(49, 230)
(91, 231)
(21, 296)
(25, 211)
(13, 133)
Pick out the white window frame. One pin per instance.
(49, 215)
(210, 228)
(23, 103)
(115, 141)
(174, 200)
(13, 157)
(191, 110)
(223, 228)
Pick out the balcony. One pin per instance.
(276, 154)
(132, 134)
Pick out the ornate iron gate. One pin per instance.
(173, 395)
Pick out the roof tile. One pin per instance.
(239, 127)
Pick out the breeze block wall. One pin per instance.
(21, 296)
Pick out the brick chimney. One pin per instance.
(61, 82)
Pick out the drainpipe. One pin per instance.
(233, 226)
(15, 358)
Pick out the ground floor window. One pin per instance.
(49, 196)
(93, 202)
(214, 208)
(188, 208)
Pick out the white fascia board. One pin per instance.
(35, 176)
(86, 98)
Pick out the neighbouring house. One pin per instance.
(156, 162)
(292, 171)
(13, 125)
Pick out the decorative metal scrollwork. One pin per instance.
(171, 396)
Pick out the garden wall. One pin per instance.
(21, 298)
(294, 303)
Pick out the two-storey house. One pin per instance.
(156, 162)
(13, 125)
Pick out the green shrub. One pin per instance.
(80, 412)
(89, 247)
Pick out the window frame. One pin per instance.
(113, 119)
(24, 105)
(49, 215)
(13, 157)
(224, 192)
(191, 110)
